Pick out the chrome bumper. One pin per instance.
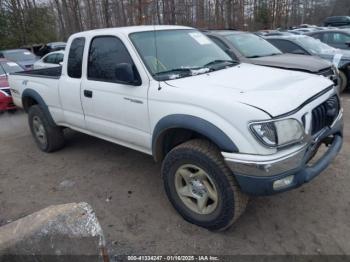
(281, 162)
(256, 165)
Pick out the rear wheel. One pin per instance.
(48, 137)
(343, 81)
(201, 187)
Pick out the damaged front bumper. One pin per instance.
(267, 175)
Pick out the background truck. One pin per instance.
(223, 130)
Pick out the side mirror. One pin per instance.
(124, 72)
(348, 44)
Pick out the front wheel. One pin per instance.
(201, 187)
(48, 137)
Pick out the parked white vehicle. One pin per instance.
(223, 130)
(53, 59)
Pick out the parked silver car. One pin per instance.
(53, 59)
(338, 38)
(23, 57)
(249, 48)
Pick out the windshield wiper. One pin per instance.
(191, 71)
(254, 56)
(176, 73)
(258, 56)
(220, 61)
(274, 54)
(180, 70)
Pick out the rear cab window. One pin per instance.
(75, 58)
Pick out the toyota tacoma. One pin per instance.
(223, 130)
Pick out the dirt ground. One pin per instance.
(125, 189)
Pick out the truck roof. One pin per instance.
(131, 29)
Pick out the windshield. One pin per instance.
(9, 67)
(179, 53)
(313, 45)
(250, 45)
(20, 55)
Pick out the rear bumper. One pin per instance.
(6, 103)
(268, 175)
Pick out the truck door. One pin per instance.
(115, 108)
(70, 84)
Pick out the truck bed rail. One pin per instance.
(54, 72)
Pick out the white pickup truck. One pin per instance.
(223, 130)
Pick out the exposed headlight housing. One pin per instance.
(335, 70)
(278, 133)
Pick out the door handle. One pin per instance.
(88, 93)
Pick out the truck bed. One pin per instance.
(54, 72)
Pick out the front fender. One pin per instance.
(196, 124)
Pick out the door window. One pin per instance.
(75, 58)
(50, 59)
(336, 38)
(286, 46)
(59, 58)
(318, 36)
(105, 54)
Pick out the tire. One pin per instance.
(38, 123)
(206, 157)
(343, 81)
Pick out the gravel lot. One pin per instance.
(125, 189)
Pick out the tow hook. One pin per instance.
(328, 141)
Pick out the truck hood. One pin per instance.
(274, 91)
(293, 62)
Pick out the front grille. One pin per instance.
(325, 114)
(6, 90)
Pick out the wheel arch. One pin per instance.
(173, 130)
(31, 97)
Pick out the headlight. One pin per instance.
(278, 133)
